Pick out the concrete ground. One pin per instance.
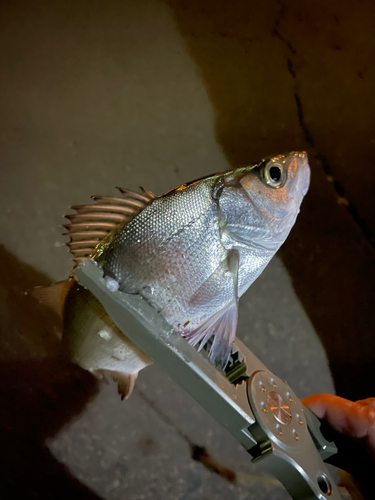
(157, 93)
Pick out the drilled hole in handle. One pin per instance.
(324, 484)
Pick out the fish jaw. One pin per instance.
(278, 207)
(302, 172)
(305, 173)
(297, 187)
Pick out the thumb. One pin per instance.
(354, 419)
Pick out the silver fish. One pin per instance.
(195, 250)
(191, 253)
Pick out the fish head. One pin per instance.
(276, 188)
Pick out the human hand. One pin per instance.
(351, 425)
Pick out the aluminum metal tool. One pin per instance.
(258, 408)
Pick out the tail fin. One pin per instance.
(52, 296)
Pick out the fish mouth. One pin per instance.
(305, 174)
(304, 171)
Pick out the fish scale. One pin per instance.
(193, 251)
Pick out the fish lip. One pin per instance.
(304, 171)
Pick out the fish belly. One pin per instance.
(92, 339)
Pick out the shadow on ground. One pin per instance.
(40, 391)
(272, 72)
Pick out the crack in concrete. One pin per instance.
(198, 453)
(164, 417)
(280, 16)
(338, 187)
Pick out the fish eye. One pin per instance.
(274, 174)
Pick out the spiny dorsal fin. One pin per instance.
(91, 224)
(52, 296)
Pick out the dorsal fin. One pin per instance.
(93, 223)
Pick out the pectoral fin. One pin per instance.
(223, 324)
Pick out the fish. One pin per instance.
(191, 253)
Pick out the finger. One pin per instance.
(367, 402)
(352, 419)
